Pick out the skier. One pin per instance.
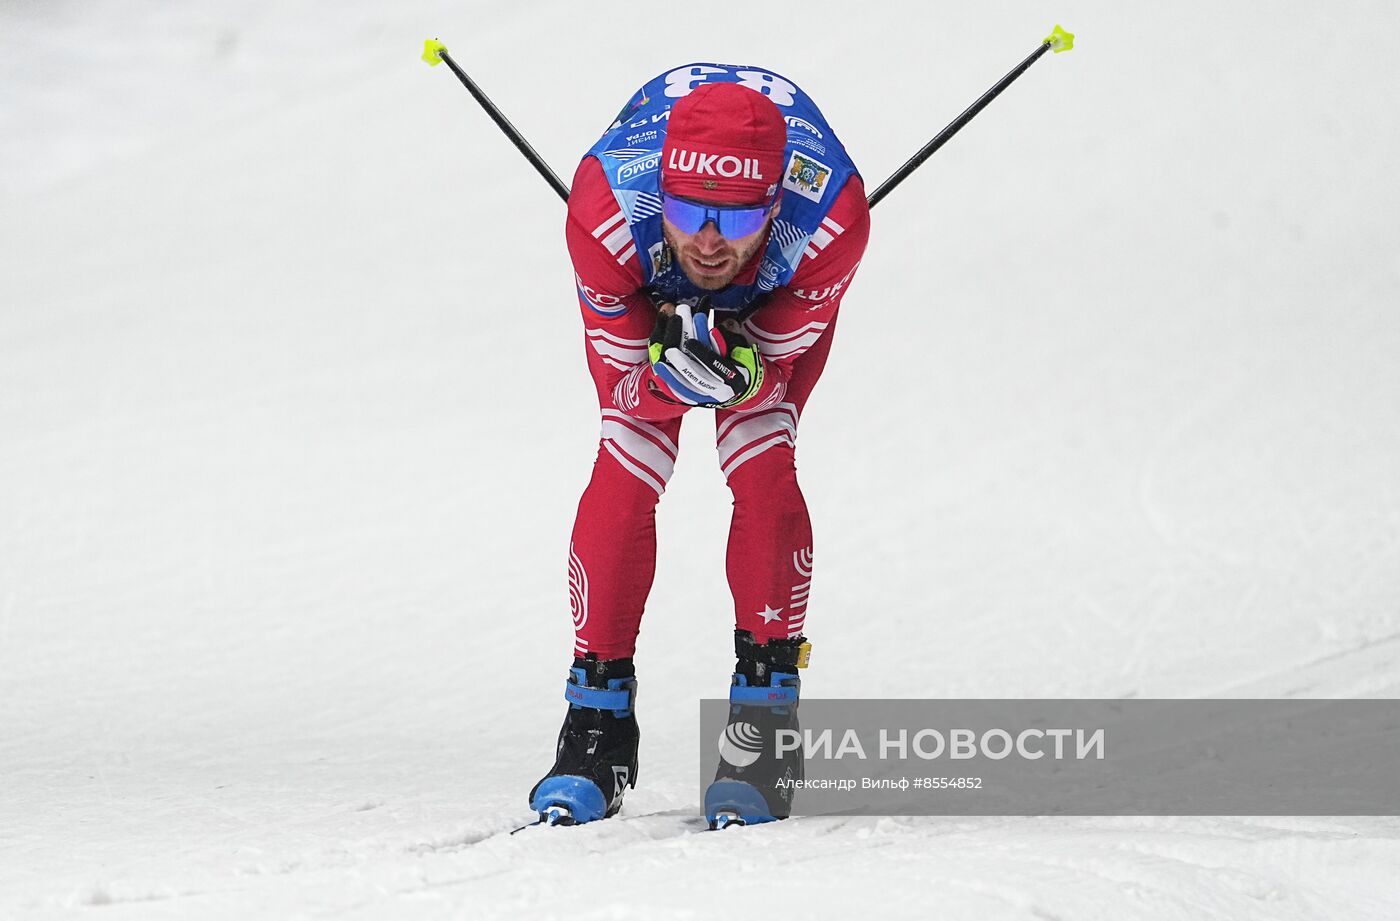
(713, 229)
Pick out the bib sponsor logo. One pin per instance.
(637, 168)
(806, 176)
(660, 255)
(795, 122)
(768, 274)
(643, 122)
(728, 166)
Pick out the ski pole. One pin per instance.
(1057, 41)
(435, 51)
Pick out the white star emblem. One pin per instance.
(769, 614)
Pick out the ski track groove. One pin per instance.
(1300, 669)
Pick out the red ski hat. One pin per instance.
(725, 144)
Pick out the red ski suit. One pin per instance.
(612, 553)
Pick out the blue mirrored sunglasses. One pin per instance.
(731, 222)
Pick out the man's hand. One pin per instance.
(701, 365)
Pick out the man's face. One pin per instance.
(709, 260)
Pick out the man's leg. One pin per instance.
(769, 563)
(769, 559)
(612, 552)
(612, 559)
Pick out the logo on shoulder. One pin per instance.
(806, 176)
(818, 298)
(795, 122)
(607, 305)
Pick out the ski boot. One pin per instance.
(752, 784)
(596, 758)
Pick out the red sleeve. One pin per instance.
(617, 317)
(796, 316)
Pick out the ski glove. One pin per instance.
(701, 365)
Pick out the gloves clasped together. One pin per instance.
(700, 364)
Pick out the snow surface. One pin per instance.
(294, 417)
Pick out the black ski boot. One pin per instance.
(596, 759)
(753, 784)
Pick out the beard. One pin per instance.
(711, 277)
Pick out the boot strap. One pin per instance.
(782, 695)
(618, 696)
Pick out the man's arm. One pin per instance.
(796, 316)
(617, 317)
